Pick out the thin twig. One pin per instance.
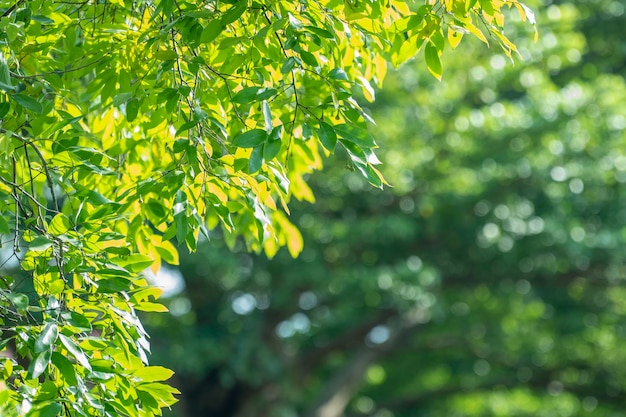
(295, 91)
(12, 8)
(26, 77)
(44, 164)
(16, 247)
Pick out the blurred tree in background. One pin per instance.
(488, 281)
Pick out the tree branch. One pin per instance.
(12, 8)
(334, 399)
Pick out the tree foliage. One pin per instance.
(131, 127)
(489, 281)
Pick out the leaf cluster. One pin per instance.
(129, 128)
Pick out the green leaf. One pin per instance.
(76, 351)
(122, 98)
(273, 144)
(179, 146)
(368, 91)
(338, 74)
(39, 365)
(211, 31)
(47, 391)
(327, 135)
(250, 139)
(151, 307)
(76, 320)
(529, 14)
(153, 374)
(167, 252)
(114, 271)
(156, 208)
(28, 102)
(112, 285)
(48, 410)
(246, 95)
(20, 301)
(186, 126)
(135, 262)
(256, 160)
(118, 251)
(8, 88)
(355, 134)
(266, 93)
(180, 220)
(161, 392)
(147, 400)
(166, 55)
(289, 64)
(4, 226)
(47, 338)
(234, 12)
(267, 116)
(59, 224)
(172, 104)
(322, 33)
(132, 108)
(4, 109)
(5, 76)
(65, 367)
(432, 60)
(23, 15)
(374, 176)
(308, 58)
(199, 114)
(294, 22)
(44, 20)
(166, 7)
(184, 90)
(354, 151)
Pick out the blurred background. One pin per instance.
(489, 280)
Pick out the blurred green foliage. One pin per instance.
(488, 281)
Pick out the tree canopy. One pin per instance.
(129, 128)
(488, 281)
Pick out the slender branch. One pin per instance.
(44, 164)
(293, 85)
(340, 389)
(12, 8)
(46, 170)
(65, 71)
(40, 215)
(310, 360)
(16, 247)
(229, 91)
(342, 386)
(26, 193)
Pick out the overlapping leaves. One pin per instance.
(127, 126)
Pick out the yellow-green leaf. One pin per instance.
(59, 224)
(151, 307)
(153, 374)
(168, 252)
(432, 60)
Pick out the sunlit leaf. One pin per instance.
(130, 129)
(60, 224)
(432, 60)
(28, 102)
(47, 338)
(327, 135)
(153, 374)
(250, 139)
(39, 365)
